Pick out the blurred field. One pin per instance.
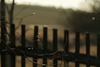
(36, 15)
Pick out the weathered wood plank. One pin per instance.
(66, 40)
(77, 46)
(66, 45)
(45, 36)
(35, 45)
(12, 38)
(23, 45)
(98, 47)
(87, 46)
(55, 46)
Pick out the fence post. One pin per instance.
(35, 45)
(98, 48)
(66, 45)
(55, 46)
(9, 57)
(3, 24)
(77, 46)
(23, 44)
(87, 46)
(45, 44)
(3, 33)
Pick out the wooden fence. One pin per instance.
(11, 50)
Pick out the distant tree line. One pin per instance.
(83, 21)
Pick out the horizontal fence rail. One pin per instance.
(11, 50)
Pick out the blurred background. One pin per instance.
(73, 15)
(76, 15)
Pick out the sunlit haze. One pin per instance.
(56, 3)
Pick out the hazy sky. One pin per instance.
(56, 3)
(76, 4)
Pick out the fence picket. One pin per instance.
(77, 46)
(23, 45)
(87, 46)
(12, 38)
(55, 46)
(66, 41)
(45, 44)
(98, 48)
(66, 44)
(35, 45)
(12, 32)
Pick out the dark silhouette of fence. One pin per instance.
(12, 50)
